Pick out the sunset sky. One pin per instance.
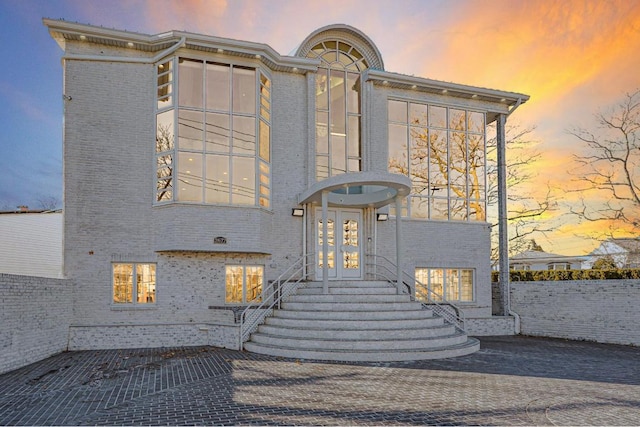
(574, 58)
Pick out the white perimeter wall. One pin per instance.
(594, 310)
(35, 313)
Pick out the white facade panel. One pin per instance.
(31, 244)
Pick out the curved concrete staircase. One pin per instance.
(361, 321)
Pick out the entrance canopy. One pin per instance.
(359, 189)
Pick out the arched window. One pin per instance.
(337, 108)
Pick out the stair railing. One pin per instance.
(448, 311)
(255, 313)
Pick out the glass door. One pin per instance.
(344, 230)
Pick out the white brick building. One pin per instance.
(185, 156)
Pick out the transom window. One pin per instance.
(337, 108)
(134, 283)
(244, 283)
(443, 151)
(444, 284)
(219, 152)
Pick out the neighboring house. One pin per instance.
(31, 243)
(539, 260)
(625, 253)
(199, 169)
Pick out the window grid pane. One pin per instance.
(445, 159)
(243, 283)
(445, 284)
(337, 109)
(218, 113)
(130, 288)
(146, 283)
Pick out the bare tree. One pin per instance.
(524, 209)
(458, 162)
(609, 168)
(49, 203)
(164, 162)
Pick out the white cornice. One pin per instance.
(385, 78)
(62, 31)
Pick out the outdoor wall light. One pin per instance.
(297, 212)
(382, 217)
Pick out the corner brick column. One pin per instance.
(503, 234)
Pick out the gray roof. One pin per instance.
(630, 244)
(541, 256)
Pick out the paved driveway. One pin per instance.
(510, 381)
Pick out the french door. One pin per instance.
(344, 239)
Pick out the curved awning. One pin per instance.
(360, 189)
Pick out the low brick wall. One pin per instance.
(98, 337)
(35, 313)
(605, 311)
(492, 326)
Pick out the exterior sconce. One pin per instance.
(382, 217)
(297, 212)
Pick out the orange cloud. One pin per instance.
(542, 48)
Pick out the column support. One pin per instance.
(398, 245)
(325, 243)
(503, 233)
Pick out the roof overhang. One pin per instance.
(503, 102)
(63, 31)
(359, 189)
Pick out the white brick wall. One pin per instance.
(491, 326)
(110, 217)
(35, 313)
(148, 336)
(593, 310)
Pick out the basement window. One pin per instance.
(444, 284)
(244, 283)
(132, 289)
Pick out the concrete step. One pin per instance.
(352, 306)
(352, 284)
(357, 321)
(363, 325)
(348, 344)
(353, 298)
(471, 345)
(349, 290)
(362, 316)
(357, 333)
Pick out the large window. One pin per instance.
(442, 150)
(337, 108)
(559, 266)
(444, 284)
(213, 140)
(134, 283)
(244, 283)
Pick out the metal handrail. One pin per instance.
(456, 317)
(255, 313)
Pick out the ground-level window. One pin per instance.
(523, 267)
(134, 283)
(444, 284)
(244, 283)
